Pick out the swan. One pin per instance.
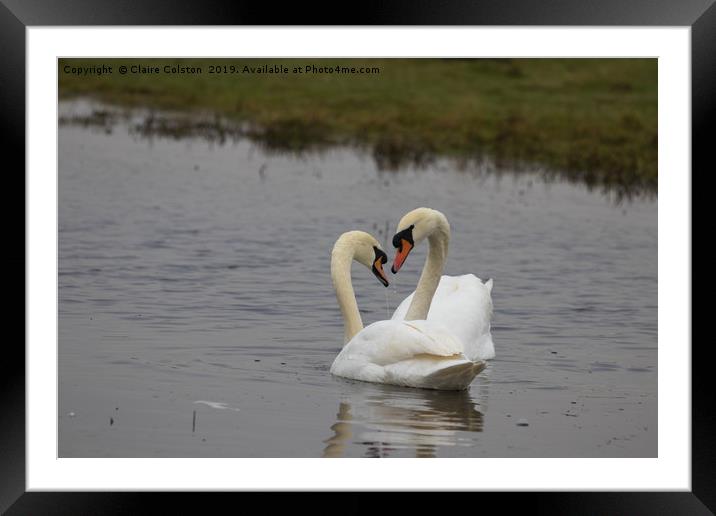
(461, 303)
(408, 353)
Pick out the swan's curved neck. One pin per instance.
(438, 240)
(341, 260)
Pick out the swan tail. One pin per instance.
(488, 285)
(456, 377)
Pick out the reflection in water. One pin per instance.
(383, 420)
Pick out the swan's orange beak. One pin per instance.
(379, 272)
(401, 254)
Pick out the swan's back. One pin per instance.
(409, 353)
(464, 305)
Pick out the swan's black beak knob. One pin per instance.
(377, 268)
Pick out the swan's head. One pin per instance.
(413, 228)
(366, 250)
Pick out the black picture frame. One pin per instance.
(17, 15)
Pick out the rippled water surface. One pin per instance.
(197, 316)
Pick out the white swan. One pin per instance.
(461, 303)
(408, 353)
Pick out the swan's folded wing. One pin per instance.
(389, 342)
(463, 304)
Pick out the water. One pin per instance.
(197, 316)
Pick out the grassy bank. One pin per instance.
(593, 120)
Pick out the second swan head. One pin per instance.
(413, 228)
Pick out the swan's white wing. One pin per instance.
(463, 304)
(414, 353)
(388, 342)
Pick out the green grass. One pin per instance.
(593, 120)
